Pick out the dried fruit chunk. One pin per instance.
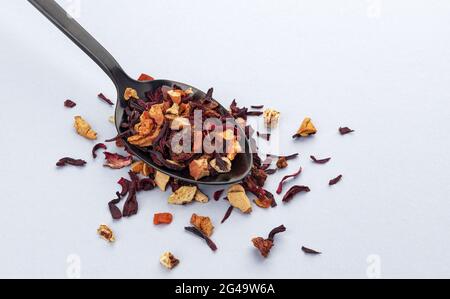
(161, 180)
(169, 261)
(201, 197)
(238, 199)
(162, 218)
(204, 224)
(199, 169)
(174, 110)
(137, 167)
(282, 163)
(265, 245)
(130, 93)
(306, 129)
(84, 129)
(271, 118)
(106, 233)
(183, 196)
(147, 131)
(145, 77)
(227, 164)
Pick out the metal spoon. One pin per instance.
(59, 17)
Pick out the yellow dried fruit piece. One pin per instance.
(84, 129)
(137, 167)
(238, 199)
(175, 95)
(169, 261)
(204, 224)
(161, 180)
(174, 110)
(306, 129)
(146, 170)
(271, 118)
(183, 196)
(198, 169)
(214, 165)
(201, 197)
(106, 233)
(130, 93)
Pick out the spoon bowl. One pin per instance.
(57, 15)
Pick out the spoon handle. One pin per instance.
(61, 19)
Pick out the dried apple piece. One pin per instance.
(130, 93)
(271, 118)
(162, 218)
(169, 261)
(203, 223)
(306, 129)
(238, 199)
(106, 233)
(84, 129)
(162, 180)
(183, 196)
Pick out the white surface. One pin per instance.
(384, 72)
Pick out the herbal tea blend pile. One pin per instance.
(182, 132)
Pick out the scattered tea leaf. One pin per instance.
(265, 136)
(114, 210)
(258, 107)
(116, 161)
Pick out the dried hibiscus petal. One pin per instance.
(218, 194)
(345, 131)
(280, 186)
(69, 104)
(162, 218)
(294, 191)
(70, 161)
(116, 161)
(125, 184)
(258, 107)
(310, 251)
(102, 97)
(98, 147)
(131, 205)
(115, 211)
(227, 214)
(335, 180)
(271, 171)
(320, 161)
(146, 184)
(198, 233)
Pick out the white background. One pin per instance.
(380, 67)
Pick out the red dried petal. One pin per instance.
(70, 161)
(218, 194)
(69, 104)
(116, 161)
(345, 131)
(294, 191)
(145, 77)
(98, 147)
(280, 186)
(335, 180)
(320, 161)
(102, 97)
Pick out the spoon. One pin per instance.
(59, 17)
